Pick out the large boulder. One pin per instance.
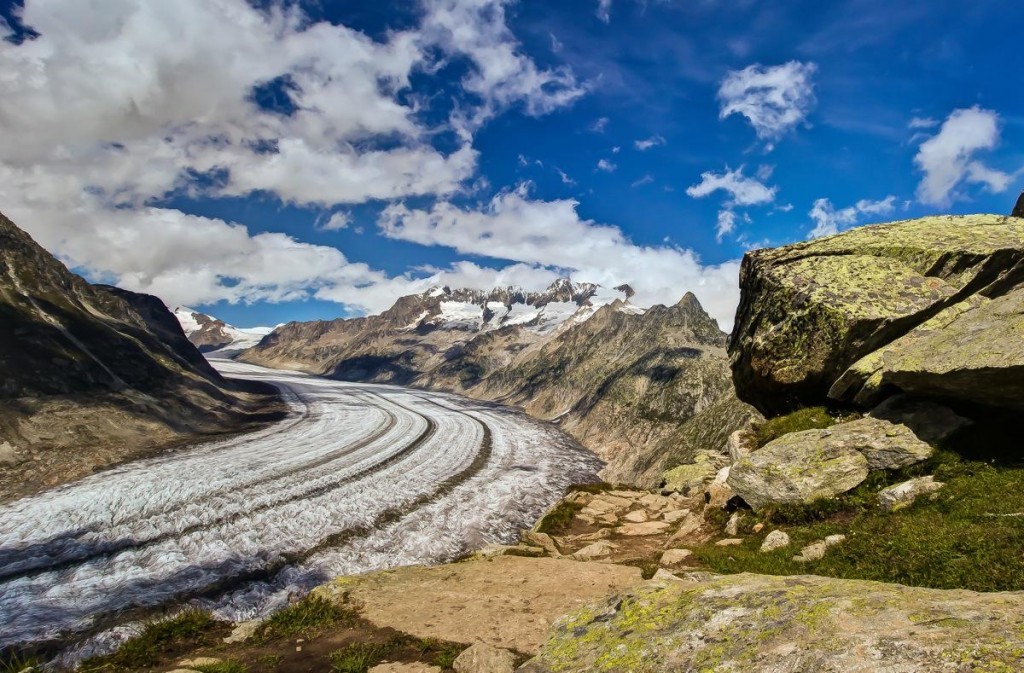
(809, 311)
(800, 467)
(971, 352)
(746, 623)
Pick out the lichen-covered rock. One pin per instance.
(904, 494)
(693, 477)
(811, 310)
(886, 445)
(972, 352)
(800, 467)
(752, 623)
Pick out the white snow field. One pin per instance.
(359, 477)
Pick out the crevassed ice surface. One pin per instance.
(359, 477)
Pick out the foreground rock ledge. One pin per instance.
(803, 623)
(507, 601)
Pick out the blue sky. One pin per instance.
(272, 161)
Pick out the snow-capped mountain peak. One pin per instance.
(213, 336)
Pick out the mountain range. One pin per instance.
(214, 336)
(629, 383)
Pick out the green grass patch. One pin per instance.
(14, 662)
(357, 658)
(593, 488)
(306, 619)
(157, 638)
(811, 418)
(969, 536)
(441, 653)
(559, 519)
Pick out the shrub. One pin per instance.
(144, 650)
(306, 618)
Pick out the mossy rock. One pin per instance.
(753, 623)
(811, 310)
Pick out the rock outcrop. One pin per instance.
(91, 374)
(1018, 209)
(917, 305)
(747, 623)
(644, 389)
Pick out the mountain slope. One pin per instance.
(103, 371)
(618, 378)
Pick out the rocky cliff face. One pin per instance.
(618, 378)
(212, 335)
(104, 371)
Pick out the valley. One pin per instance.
(358, 477)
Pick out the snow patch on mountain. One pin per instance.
(216, 337)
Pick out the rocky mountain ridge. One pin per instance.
(212, 335)
(619, 378)
(93, 374)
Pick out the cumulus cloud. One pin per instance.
(337, 221)
(922, 123)
(600, 125)
(774, 99)
(726, 224)
(105, 113)
(947, 158)
(604, 10)
(606, 166)
(742, 190)
(551, 234)
(648, 143)
(828, 221)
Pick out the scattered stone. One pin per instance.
(690, 525)
(598, 549)
(413, 667)
(9, 455)
(243, 631)
(812, 552)
(199, 661)
(579, 497)
(628, 495)
(673, 515)
(904, 494)
(776, 539)
(800, 467)
(758, 527)
(732, 527)
(637, 516)
(542, 540)
(673, 556)
(729, 542)
(657, 503)
(833, 540)
(647, 528)
(600, 534)
(484, 658)
(608, 519)
(719, 492)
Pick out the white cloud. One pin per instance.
(774, 99)
(726, 224)
(648, 143)
(742, 190)
(645, 180)
(828, 221)
(600, 125)
(109, 110)
(604, 10)
(337, 221)
(923, 123)
(566, 180)
(551, 234)
(947, 158)
(606, 166)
